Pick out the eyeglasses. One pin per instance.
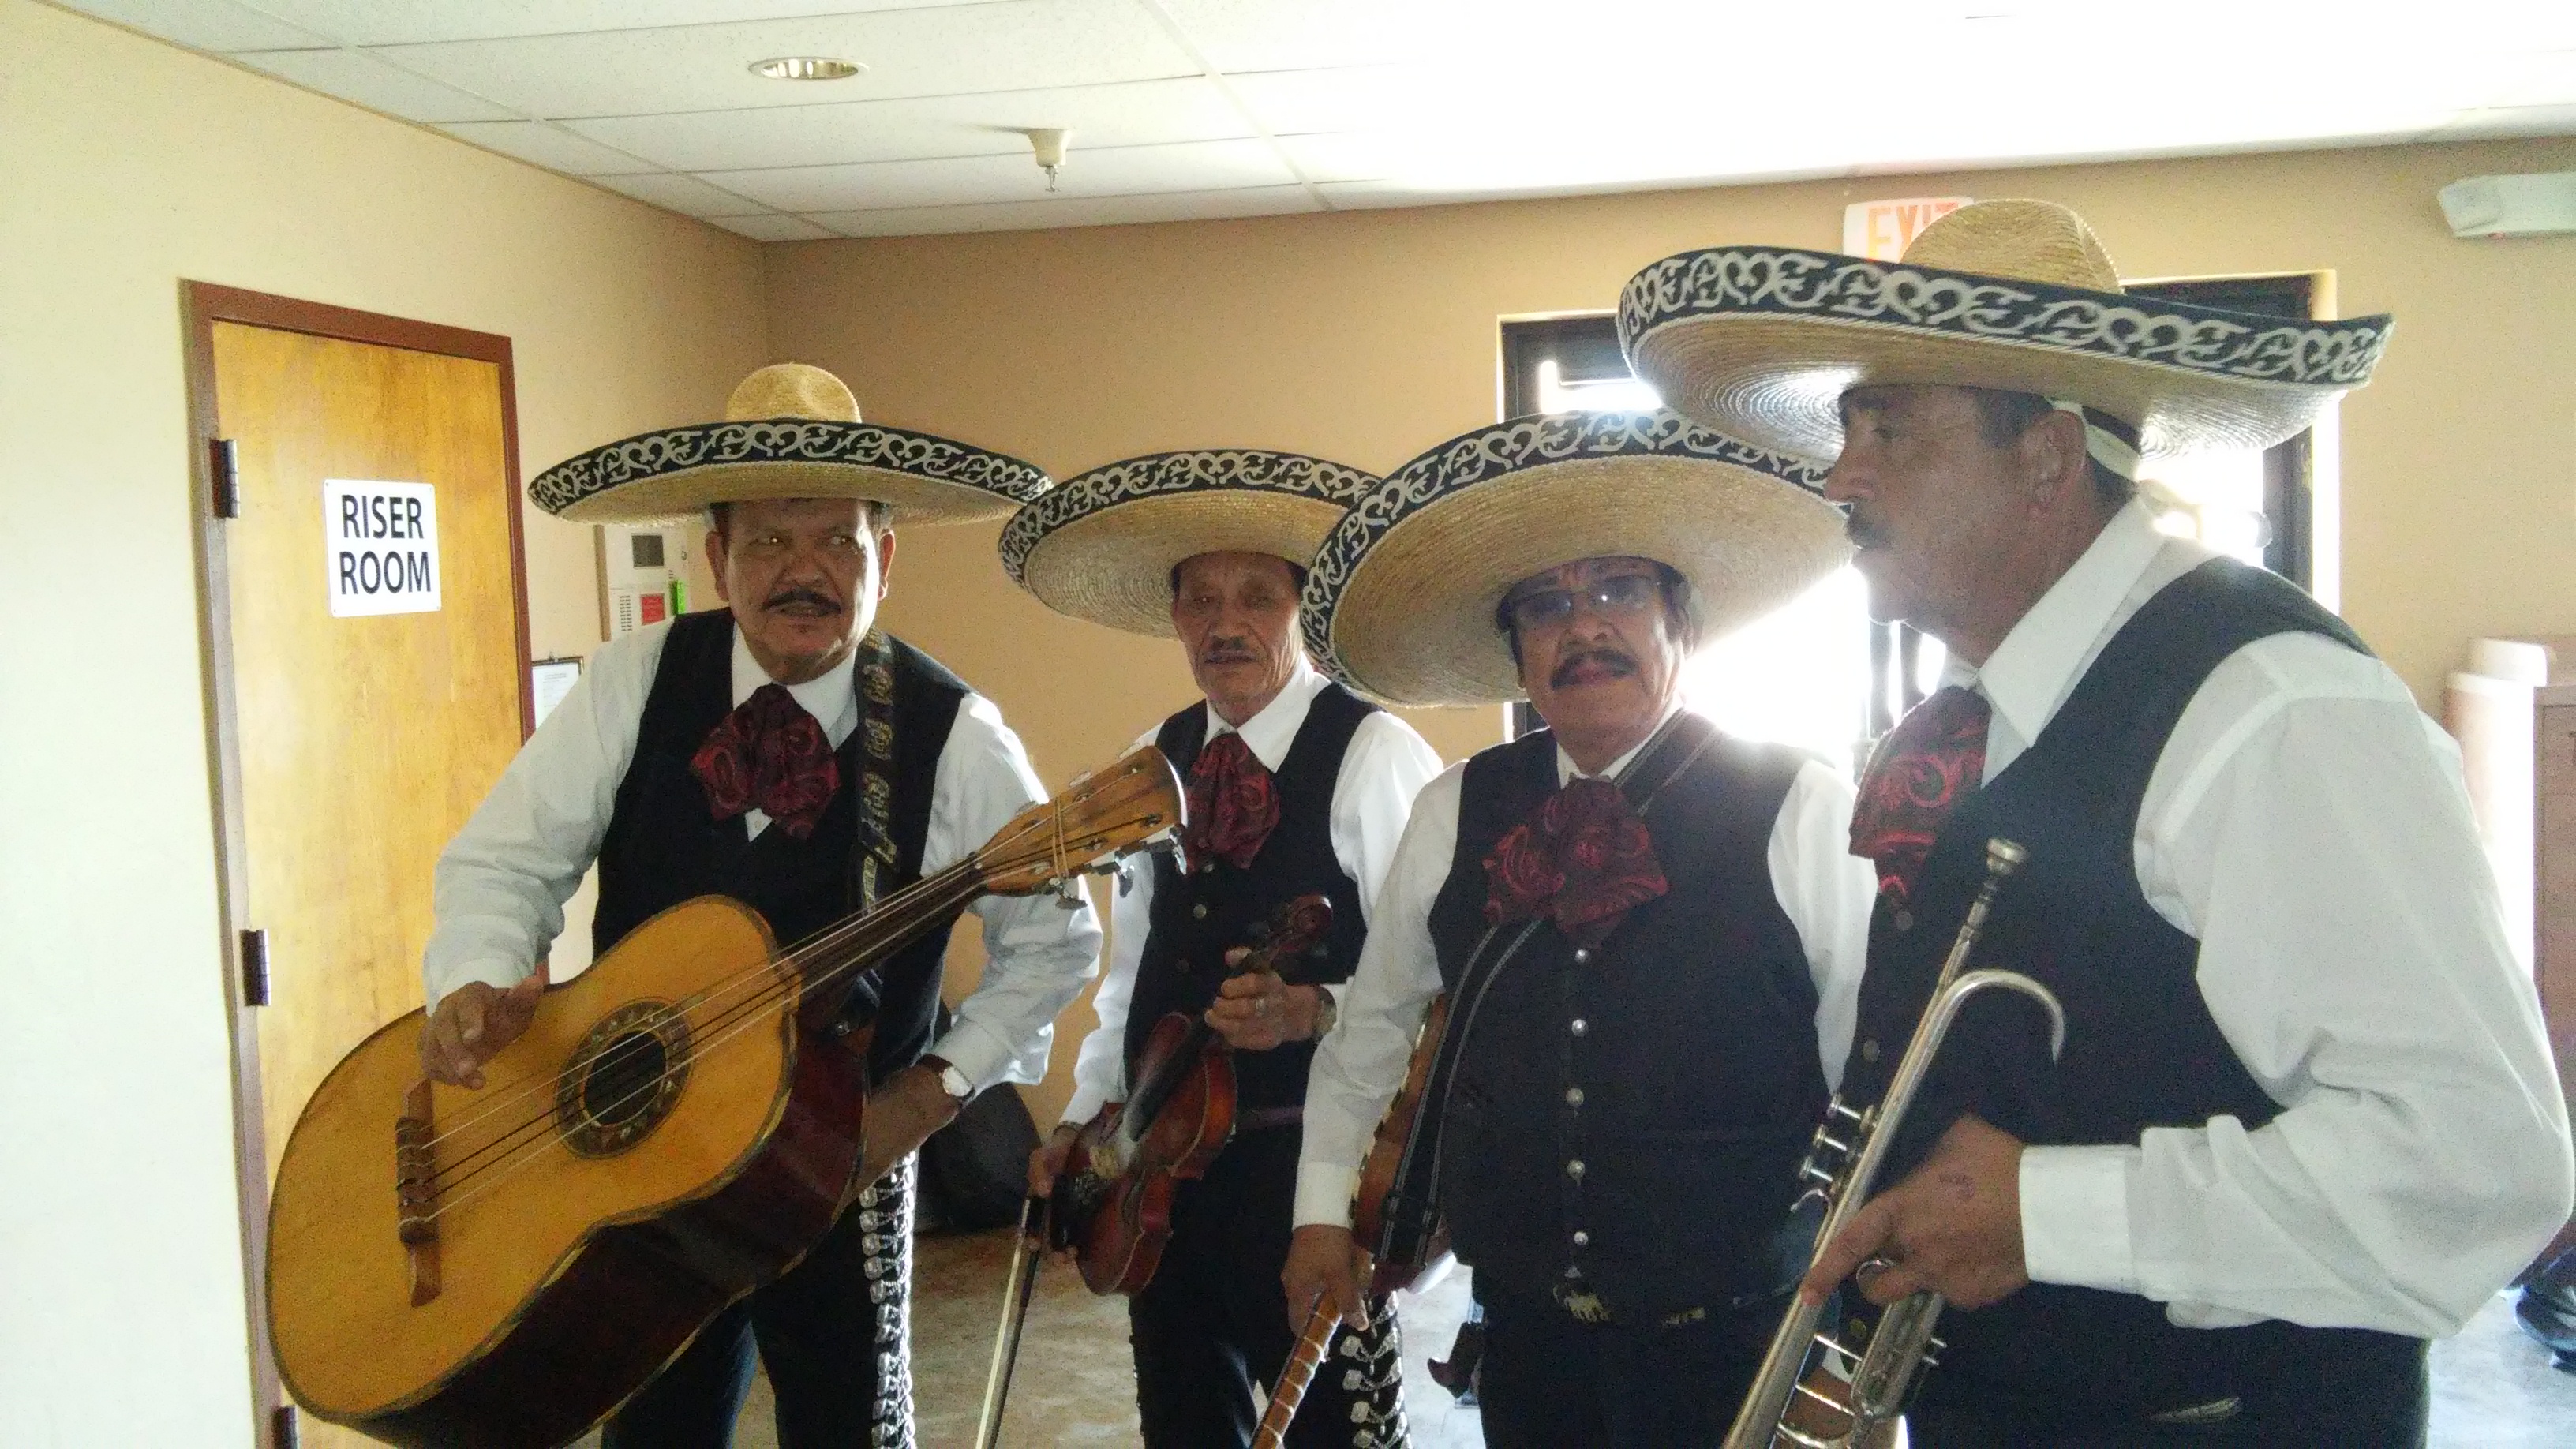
(1616, 596)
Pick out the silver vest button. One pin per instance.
(1583, 956)
(1578, 1026)
(1869, 1050)
(1574, 1169)
(1574, 1096)
(1582, 1239)
(1199, 911)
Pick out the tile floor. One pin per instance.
(2492, 1387)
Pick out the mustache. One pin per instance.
(1619, 665)
(1229, 651)
(794, 595)
(1865, 530)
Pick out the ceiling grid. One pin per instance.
(1200, 108)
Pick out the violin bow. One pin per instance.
(1028, 1250)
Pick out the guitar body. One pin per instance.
(1121, 1194)
(564, 1278)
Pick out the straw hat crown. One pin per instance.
(2034, 241)
(792, 390)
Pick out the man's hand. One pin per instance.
(1324, 1262)
(901, 1116)
(1954, 1225)
(472, 1024)
(1256, 1011)
(1048, 1160)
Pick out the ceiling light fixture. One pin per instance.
(805, 68)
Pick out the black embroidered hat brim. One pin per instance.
(675, 472)
(1402, 598)
(1762, 342)
(1102, 546)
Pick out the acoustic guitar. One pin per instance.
(504, 1267)
(1113, 1201)
(1395, 1262)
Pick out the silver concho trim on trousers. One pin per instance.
(885, 1220)
(1369, 1366)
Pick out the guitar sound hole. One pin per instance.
(617, 1091)
(623, 1079)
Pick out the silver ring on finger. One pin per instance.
(1870, 1268)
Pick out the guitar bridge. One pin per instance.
(416, 1193)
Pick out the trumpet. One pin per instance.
(1842, 1162)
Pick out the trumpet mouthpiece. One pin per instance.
(2003, 857)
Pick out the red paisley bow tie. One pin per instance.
(1925, 766)
(769, 753)
(1233, 803)
(1583, 857)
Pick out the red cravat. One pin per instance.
(1583, 857)
(769, 753)
(1925, 766)
(1233, 804)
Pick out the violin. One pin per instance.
(1113, 1202)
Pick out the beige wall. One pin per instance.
(125, 166)
(1367, 336)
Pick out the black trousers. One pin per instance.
(831, 1331)
(1214, 1321)
(1552, 1381)
(2398, 1421)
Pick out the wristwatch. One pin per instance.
(951, 1080)
(1326, 1012)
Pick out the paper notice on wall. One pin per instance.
(1882, 230)
(380, 547)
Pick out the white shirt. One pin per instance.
(2307, 824)
(1386, 765)
(1824, 890)
(501, 883)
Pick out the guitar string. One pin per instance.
(772, 985)
(751, 1012)
(830, 938)
(499, 1170)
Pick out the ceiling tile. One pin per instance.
(1121, 171)
(1060, 211)
(952, 50)
(360, 78)
(1132, 114)
(1250, 35)
(398, 22)
(202, 24)
(540, 143)
(684, 194)
(769, 226)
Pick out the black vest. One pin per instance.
(2141, 1050)
(1200, 916)
(1676, 1063)
(664, 847)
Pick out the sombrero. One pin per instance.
(790, 431)
(2012, 295)
(1400, 603)
(1103, 545)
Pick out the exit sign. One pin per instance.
(1882, 230)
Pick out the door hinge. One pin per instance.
(281, 1427)
(254, 967)
(223, 477)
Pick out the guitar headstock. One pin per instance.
(1104, 814)
(1295, 928)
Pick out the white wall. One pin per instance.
(125, 166)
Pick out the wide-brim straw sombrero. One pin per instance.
(2017, 296)
(1400, 603)
(1102, 546)
(790, 431)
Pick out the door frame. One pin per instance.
(202, 305)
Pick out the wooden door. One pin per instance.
(355, 745)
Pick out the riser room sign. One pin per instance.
(380, 547)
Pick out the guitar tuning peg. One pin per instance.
(1069, 895)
